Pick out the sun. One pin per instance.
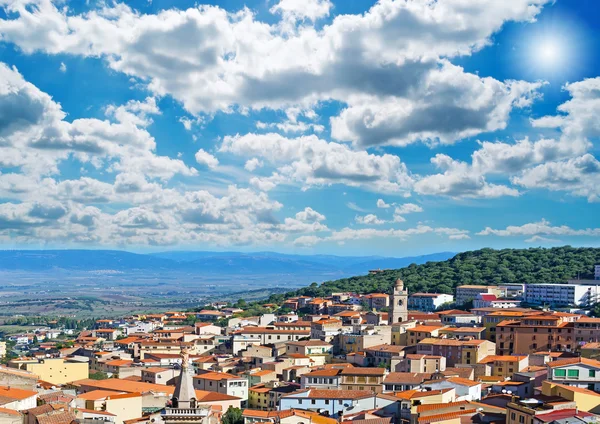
(549, 53)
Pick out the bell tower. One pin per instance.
(399, 303)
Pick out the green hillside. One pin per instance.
(485, 266)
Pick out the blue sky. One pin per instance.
(355, 127)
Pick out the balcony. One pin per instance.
(185, 412)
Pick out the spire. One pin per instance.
(399, 285)
(184, 389)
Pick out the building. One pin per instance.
(587, 330)
(328, 379)
(583, 295)
(377, 301)
(2, 349)
(334, 402)
(485, 300)
(54, 370)
(576, 372)
(505, 366)
(325, 329)
(586, 400)
(467, 293)
(540, 409)
(545, 332)
(457, 352)
(358, 378)
(419, 363)
(458, 318)
(317, 350)
(422, 332)
(428, 302)
(221, 382)
(184, 406)
(398, 304)
(274, 334)
(597, 272)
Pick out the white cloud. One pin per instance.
(407, 208)
(314, 162)
(369, 219)
(543, 228)
(302, 9)
(382, 205)
(540, 239)
(253, 164)
(387, 65)
(62, 67)
(579, 176)
(205, 158)
(459, 180)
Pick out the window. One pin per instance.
(573, 373)
(312, 401)
(560, 373)
(592, 373)
(326, 401)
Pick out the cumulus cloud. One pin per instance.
(314, 162)
(253, 164)
(388, 65)
(459, 180)
(382, 205)
(302, 9)
(369, 219)
(541, 228)
(205, 158)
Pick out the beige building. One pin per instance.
(465, 352)
(358, 378)
(56, 370)
(470, 292)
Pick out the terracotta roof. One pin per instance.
(96, 394)
(425, 328)
(339, 394)
(56, 417)
(217, 376)
(16, 394)
(363, 371)
(323, 373)
(119, 362)
(445, 417)
(386, 348)
(155, 370)
(93, 411)
(406, 378)
(463, 381)
(570, 361)
(434, 406)
(6, 411)
(577, 389)
(562, 414)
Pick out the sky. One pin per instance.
(303, 126)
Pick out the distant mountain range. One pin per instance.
(213, 263)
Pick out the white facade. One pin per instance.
(562, 294)
(140, 327)
(577, 375)
(333, 406)
(597, 272)
(428, 302)
(237, 387)
(463, 392)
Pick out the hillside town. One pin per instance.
(514, 354)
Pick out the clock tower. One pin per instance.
(399, 304)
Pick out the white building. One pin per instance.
(465, 389)
(578, 372)
(491, 301)
(597, 273)
(428, 302)
(224, 383)
(469, 292)
(562, 294)
(335, 402)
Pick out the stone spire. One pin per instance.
(184, 390)
(398, 303)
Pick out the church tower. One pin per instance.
(398, 303)
(183, 407)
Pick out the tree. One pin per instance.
(98, 375)
(233, 416)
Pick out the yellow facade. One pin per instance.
(56, 371)
(586, 400)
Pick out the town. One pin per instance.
(375, 358)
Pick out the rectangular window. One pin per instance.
(592, 373)
(560, 373)
(573, 373)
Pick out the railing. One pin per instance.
(186, 412)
